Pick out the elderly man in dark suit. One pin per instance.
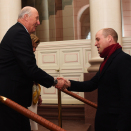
(18, 70)
(113, 81)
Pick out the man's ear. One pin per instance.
(26, 17)
(109, 37)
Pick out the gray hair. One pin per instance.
(25, 10)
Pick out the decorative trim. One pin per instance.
(65, 44)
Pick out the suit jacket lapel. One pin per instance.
(109, 61)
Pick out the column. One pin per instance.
(9, 10)
(42, 30)
(103, 14)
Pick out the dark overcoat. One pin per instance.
(18, 70)
(114, 93)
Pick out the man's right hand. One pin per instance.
(65, 85)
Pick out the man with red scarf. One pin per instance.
(113, 81)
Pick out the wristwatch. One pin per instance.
(55, 82)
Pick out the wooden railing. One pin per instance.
(49, 125)
(80, 98)
(31, 115)
(75, 96)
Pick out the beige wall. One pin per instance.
(80, 11)
(9, 10)
(72, 21)
(126, 6)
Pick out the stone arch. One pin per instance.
(83, 22)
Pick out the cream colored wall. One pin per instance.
(126, 45)
(43, 30)
(52, 29)
(67, 59)
(59, 25)
(68, 23)
(79, 7)
(9, 10)
(126, 7)
(64, 24)
(46, 31)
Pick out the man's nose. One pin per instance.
(96, 43)
(38, 22)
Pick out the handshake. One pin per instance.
(62, 83)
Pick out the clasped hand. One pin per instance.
(62, 83)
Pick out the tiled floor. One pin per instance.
(68, 125)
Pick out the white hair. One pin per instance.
(25, 10)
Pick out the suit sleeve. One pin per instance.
(85, 86)
(22, 49)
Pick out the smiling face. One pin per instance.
(33, 21)
(101, 41)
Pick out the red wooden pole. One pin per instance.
(80, 98)
(30, 114)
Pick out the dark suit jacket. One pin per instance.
(18, 67)
(114, 93)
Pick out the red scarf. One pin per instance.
(107, 53)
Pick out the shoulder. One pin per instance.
(18, 31)
(17, 28)
(123, 55)
(12, 33)
(123, 60)
(119, 54)
(17, 34)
